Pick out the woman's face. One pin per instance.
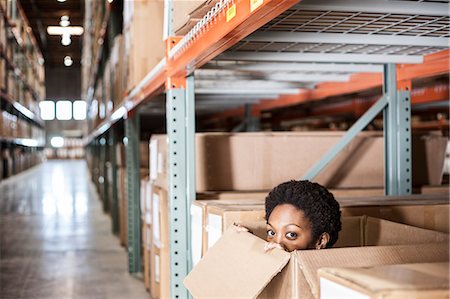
(288, 226)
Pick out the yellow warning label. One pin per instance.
(254, 4)
(231, 12)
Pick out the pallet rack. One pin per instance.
(365, 44)
(19, 53)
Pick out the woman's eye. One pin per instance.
(270, 233)
(291, 235)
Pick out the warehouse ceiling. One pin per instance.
(44, 13)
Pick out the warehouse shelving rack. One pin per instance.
(25, 48)
(402, 39)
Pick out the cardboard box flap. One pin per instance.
(229, 267)
(421, 276)
(311, 260)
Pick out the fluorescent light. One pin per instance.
(68, 61)
(58, 30)
(57, 141)
(64, 21)
(65, 40)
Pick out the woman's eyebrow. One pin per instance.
(295, 225)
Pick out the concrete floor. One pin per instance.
(55, 240)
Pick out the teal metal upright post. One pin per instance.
(397, 136)
(114, 194)
(133, 192)
(190, 155)
(104, 179)
(180, 188)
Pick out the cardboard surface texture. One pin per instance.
(424, 211)
(260, 161)
(422, 280)
(237, 266)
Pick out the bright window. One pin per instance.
(47, 110)
(63, 110)
(79, 110)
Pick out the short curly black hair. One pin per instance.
(316, 202)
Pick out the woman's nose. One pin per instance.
(280, 240)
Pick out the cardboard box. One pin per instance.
(260, 161)
(122, 197)
(160, 244)
(146, 257)
(424, 211)
(143, 53)
(246, 271)
(428, 156)
(422, 280)
(186, 13)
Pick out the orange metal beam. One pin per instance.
(222, 34)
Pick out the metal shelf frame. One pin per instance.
(218, 44)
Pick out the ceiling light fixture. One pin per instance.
(64, 21)
(58, 30)
(68, 61)
(66, 40)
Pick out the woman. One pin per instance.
(301, 215)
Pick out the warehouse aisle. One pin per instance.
(56, 242)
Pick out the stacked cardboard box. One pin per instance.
(118, 77)
(145, 48)
(252, 272)
(420, 280)
(260, 161)
(185, 14)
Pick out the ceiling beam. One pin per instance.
(320, 57)
(350, 38)
(378, 6)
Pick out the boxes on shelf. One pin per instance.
(118, 77)
(210, 218)
(185, 14)
(258, 161)
(122, 198)
(428, 155)
(142, 53)
(294, 274)
(424, 211)
(420, 280)
(160, 271)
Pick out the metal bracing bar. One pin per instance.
(379, 6)
(253, 91)
(114, 196)
(300, 67)
(357, 127)
(190, 155)
(248, 84)
(309, 77)
(178, 209)
(397, 136)
(234, 97)
(354, 39)
(321, 57)
(133, 193)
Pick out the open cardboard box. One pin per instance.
(421, 280)
(237, 266)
